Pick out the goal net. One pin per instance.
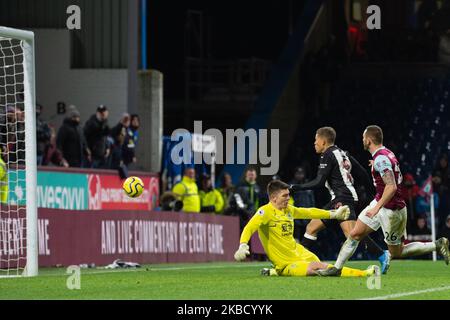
(18, 214)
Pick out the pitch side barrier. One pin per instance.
(99, 237)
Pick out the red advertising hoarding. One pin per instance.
(106, 193)
(91, 189)
(100, 237)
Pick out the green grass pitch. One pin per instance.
(408, 279)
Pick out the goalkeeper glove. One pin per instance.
(242, 252)
(342, 213)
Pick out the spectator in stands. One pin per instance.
(250, 195)
(445, 230)
(441, 174)
(423, 205)
(20, 135)
(43, 135)
(128, 145)
(227, 190)
(169, 202)
(131, 140)
(210, 198)
(70, 140)
(7, 114)
(250, 191)
(13, 135)
(304, 198)
(187, 191)
(116, 159)
(134, 126)
(124, 123)
(52, 155)
(96, 131)
(410, 192)
(129, 148)
(421, 227)
(20, 132)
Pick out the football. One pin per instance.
(133, 187)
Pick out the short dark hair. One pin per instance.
(275, 186)
(250, 169)
(328, 133)
(375, 133)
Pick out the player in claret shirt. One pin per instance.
(387, 210)
(275, 225)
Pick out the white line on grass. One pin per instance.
(104, 271)
(163, 269)
(404, 294)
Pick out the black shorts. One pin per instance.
(334, 204)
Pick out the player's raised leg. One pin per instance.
(418, 248)
(393, 224)
(370, 245)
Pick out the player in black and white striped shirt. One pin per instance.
(335, 173)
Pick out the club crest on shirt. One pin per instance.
(287, 229)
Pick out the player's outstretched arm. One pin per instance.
(389, 191)
(384, 167)
(242, 252)
(252, 226)
(341, 213)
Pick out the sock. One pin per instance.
(372, 247)
(418, 248)
(347, 250)
(308, 241)
(350, 272)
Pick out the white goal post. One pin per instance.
(19, 255)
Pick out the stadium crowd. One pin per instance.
(92, 145)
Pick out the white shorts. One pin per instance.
(392, 222)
